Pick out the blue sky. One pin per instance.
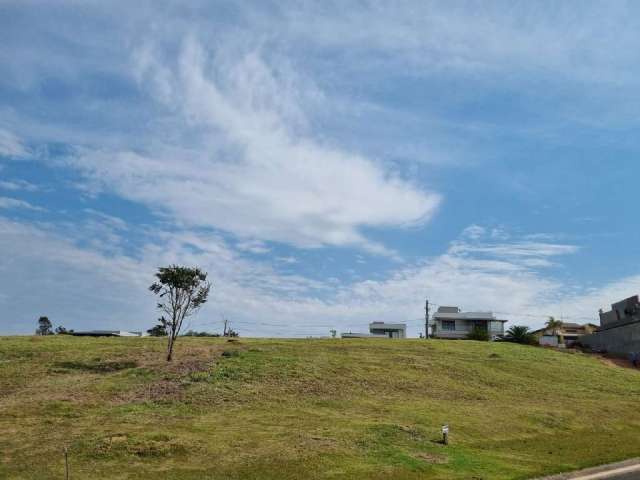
(329, 164)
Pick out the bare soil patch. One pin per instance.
(615, 361)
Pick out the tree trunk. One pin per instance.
(170, 349)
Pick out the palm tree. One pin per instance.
(520, 334)
(556, 328)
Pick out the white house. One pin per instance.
(453, 323)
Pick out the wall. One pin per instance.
(618, 341)
(496, 328)
(391, 333)
(548, 340)
(465, 327)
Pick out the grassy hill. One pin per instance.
(312, 409)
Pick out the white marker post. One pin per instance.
(445, 434)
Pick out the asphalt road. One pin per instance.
(626, 476)
(628, 470)
(615, 474)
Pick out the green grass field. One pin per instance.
(307, 409)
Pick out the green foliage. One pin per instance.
(479, 334)
(44, 326)
(556, 328)
(554, 325)
(193, 333)
(520, 334)
(231, 353)
(159, 330)
(187, 285)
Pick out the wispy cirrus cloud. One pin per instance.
(9, 203)
(254, 168)
(18, 185)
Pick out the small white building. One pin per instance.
(380, 330)
(453, 323)
(391, 330)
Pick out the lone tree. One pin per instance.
(44, 326)
(182, 291)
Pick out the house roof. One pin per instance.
(570, 325)
(445, 309)
(388, 326)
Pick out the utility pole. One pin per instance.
(224, 334)
(426, 319)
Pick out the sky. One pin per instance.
(327, 163)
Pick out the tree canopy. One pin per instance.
(520, 334)
(44, 326)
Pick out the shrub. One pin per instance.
(479, 334)
(521, 334)
(193, 333)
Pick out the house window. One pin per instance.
(481, 325)
(448, 325)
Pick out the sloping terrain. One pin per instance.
(312, 409)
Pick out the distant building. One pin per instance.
(106, 333)
(453, 323)
(621, 313)
(619, 331)
(570, 332)
(391, 330)
(380, 330)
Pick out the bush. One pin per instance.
(521, 334)
(231, 353)
(193, 333)
(479, 334)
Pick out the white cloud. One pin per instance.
(515, 249)
(17, 185)
(14, 203)
(253, 246)
(480, 38)
(254, 169)
(11, 146)
(113, 222)
(289, 259)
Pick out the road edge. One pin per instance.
(632, 464)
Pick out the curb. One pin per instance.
(601, 472)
